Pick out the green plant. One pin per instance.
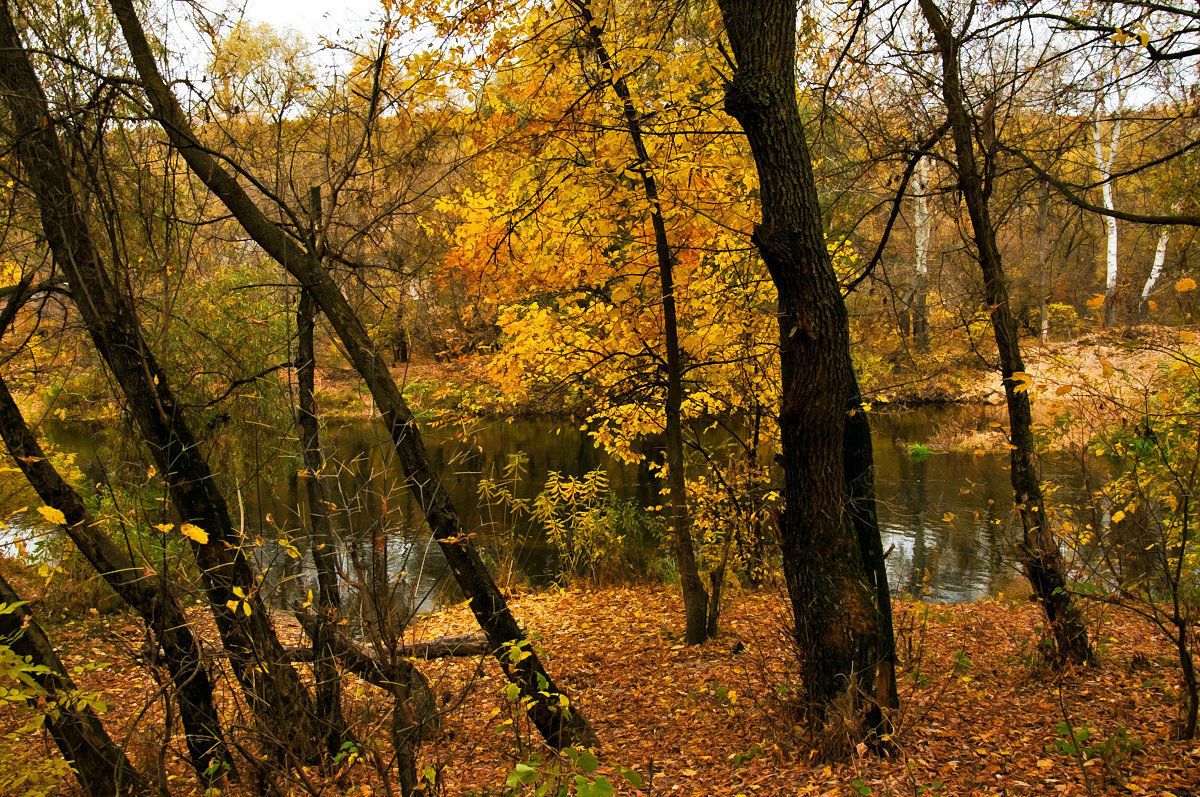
(919, 451)
(21, 770)
(595, 534)
(1079, 742)
(573, 772)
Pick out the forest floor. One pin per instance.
(979, 714)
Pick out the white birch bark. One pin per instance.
(1160, 257)
(1104, 164)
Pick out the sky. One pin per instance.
(335, 19)
(313, 17)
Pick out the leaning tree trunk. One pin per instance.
(101, 767)
(273, 688)
(149, 596)
(1160, 259)
(838, 619)
(1040, 556)
(695, 598)
(560, 726)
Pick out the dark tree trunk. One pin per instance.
(401, 352)
(273, 687)
(100, 766)
(860, 480)
(149, 596)
(834, 591)
(701, 619)
(1040, 556)
(559, 727)
(329, 597)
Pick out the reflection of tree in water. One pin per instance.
(382, 525)
(915, 500)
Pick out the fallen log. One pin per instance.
(398, 677)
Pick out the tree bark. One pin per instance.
(920, 286)
(101, 767)
(1040, 556)
(838, 620)
(147, 594)
(321, 540)
(560, 727)
(1160, 259)
(1043, 265)
(273, 688)
(1104, 164)
(695, 598)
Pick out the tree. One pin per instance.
(1040, 556)
(560, 723)
(272, 685)
(833, 563)
(1104, 165)
(700, 623)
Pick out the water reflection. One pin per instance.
(947, 518)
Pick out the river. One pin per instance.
(946, 518)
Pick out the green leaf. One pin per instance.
(600, 787)
(588, 762)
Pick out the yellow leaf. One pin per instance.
(1023, 381)
(194, 533)
(53, 515)
(1186, 284)
(1096, 301)
(1118, 516)
(948, 517)
(164, 527)
(1153, 305)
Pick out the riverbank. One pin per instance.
(978, 714)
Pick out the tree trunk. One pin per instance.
(511, 646)
(920, 285)
(1104, 164)
(329, 597)
(1160, 259)
(148, 595)
(1043, 265)
(273, 688)
(839, 625)
(695, 598)
(101, 767)
(1041, 558)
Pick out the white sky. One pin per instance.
(314, 17)
(338, 20)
